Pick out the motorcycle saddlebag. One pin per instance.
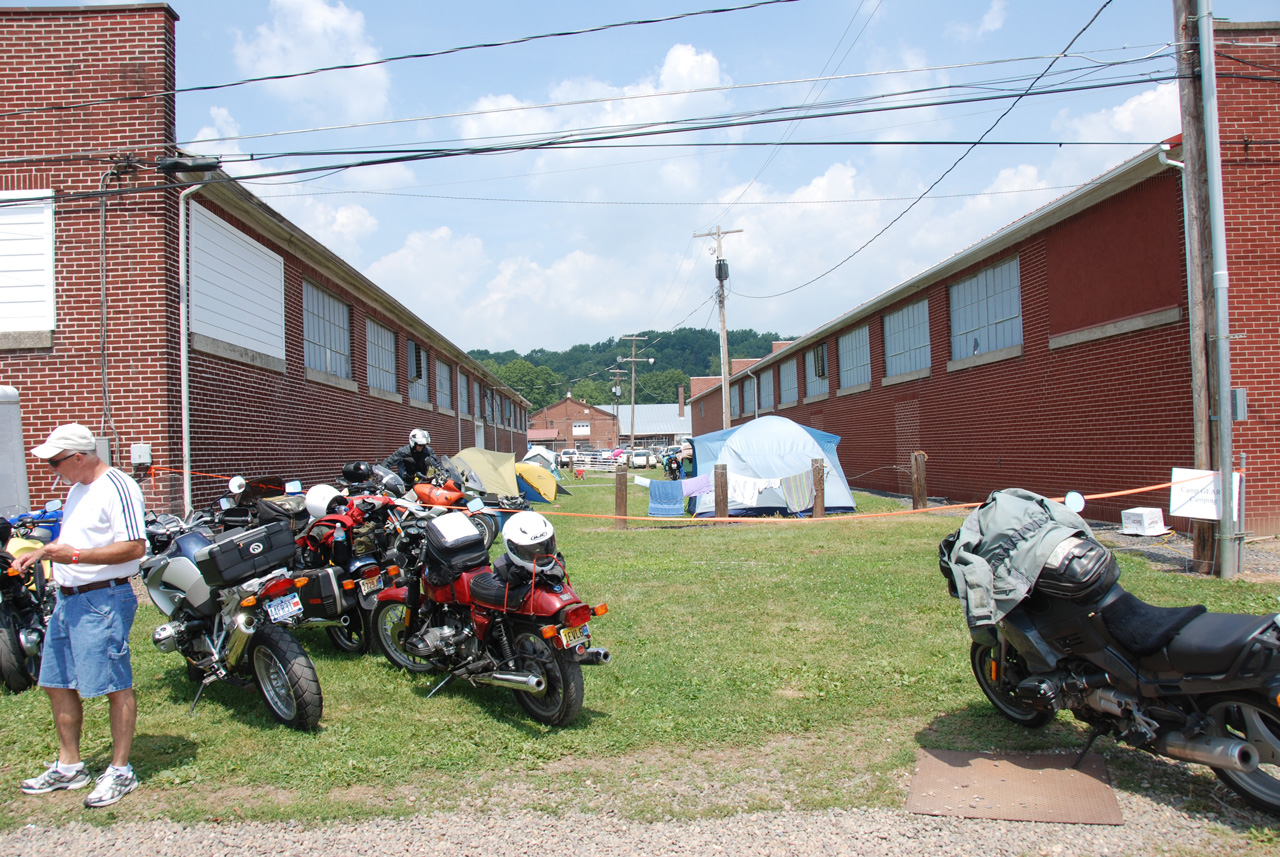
(290, 508)
(243, 554)
(454, 545)
(323, 596)
(1079, 569)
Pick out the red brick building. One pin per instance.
(297, 362)
(1055, 354)
(574, 424)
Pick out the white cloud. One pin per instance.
(432, 271)
(992, 21)
(305, 34)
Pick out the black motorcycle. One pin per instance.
(26, 598)
(1176, 681)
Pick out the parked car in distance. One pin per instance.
(641, 458)
(565, 458)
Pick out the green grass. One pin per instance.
(756, 666)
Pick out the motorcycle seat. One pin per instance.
(491, 590)
(1144, 629)
(1213, 642)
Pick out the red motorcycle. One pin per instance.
(516, 624)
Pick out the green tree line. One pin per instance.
(543, 376)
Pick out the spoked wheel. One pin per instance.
(562, 702)
(353, 637)
(18, 670)
(286, 678)
(998, 681)
(1257, 723)
(488, 527)
(389, 633)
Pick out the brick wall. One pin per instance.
(563, 414)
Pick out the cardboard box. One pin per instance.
(1143, 522)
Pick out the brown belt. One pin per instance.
(89, 587)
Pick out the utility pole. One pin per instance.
(633, 360)
(722, 274)
(616, 389)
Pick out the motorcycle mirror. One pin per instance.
(294, 487)
(236, 484)
(1074, 501)
(53, 505)
(475, 504)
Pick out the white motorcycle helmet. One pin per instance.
(419, 437)
(530, 541)
(321, 499)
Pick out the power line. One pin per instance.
(424, 55)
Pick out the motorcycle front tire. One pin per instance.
(286, 678)
(389, 632)
(352, 638)
(562, 702)
(488, 526)
(1255, 721)
(18, 671)
(981, 658)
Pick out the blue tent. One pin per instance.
(770, 447)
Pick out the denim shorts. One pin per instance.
(87, 645)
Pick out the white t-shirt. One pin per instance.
(109, 509)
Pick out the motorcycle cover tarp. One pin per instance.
(543, 457)
(996, 556)
(770, 447)
(537, 484)
(495, 470)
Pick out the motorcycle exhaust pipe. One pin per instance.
(1205, 750)
(596, 657)
(238, 641)
(527, 682)
(32, 641)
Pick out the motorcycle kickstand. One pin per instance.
(1093, 736)
(208, 680)
(450, 677)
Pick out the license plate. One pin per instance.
(282, 608)
(370, 584)
(573, 636)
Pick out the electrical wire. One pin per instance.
(945, 173)
(424, 55)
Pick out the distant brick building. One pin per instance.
(297, 362)
(574, 424)
(1055, 354)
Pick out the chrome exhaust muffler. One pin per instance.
(1226, 753)
(596, 657)
(31, 641)
(527, 682)
(238, 640)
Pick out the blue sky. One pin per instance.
(596, 243)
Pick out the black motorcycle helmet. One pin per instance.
(357, 471)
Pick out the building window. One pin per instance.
(815, 370)
(735, 401)
(986, 311)
(701, 411)
(906, 339)
(855, 357)
(237, 286)
(326, 332)
(444, 385)
(766, 389)
(26, 263)
(787, 378)
(419, 388)
(380, 352)
(464, 388)
(749, 396)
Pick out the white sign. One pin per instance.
(1197, 494)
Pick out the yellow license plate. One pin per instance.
(573, 636)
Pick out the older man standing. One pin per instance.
(86, 649)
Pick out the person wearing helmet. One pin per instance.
(530, 541)
(415, 459)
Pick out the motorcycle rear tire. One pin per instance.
(562, 702)
(389, 633)
(1001, 696)
(286, 678)
(17, 670)
(353, 638)
(1257, 722)
(488, 527)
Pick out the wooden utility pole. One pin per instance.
(633, 360)
(1199, 261)
(722, 274)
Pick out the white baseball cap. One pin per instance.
(71, 437)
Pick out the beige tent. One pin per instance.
(495, 470)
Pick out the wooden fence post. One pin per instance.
(919, 489)
(819, 488)
(722, 490)
(620, 497)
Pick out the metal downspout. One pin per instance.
(184, 334)
(1222, 324)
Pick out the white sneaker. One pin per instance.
(110, 788)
